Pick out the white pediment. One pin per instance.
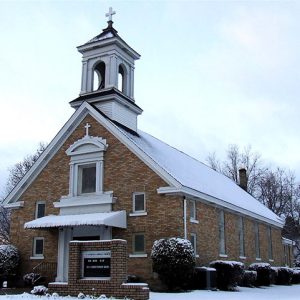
(88, 144)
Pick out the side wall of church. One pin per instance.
(207, 232)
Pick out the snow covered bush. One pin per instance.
(284, 276)
(264, 272)
(249, 278)
(9, 259)
(296, 276)
(229, 274)
(174, 260)
(39, 290)
(30, 278)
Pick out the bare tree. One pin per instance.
(279, 192)
(236, 159)
(17, 172)
(5, 225)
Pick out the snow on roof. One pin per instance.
(115, 219)
(195, 175)
(103, 36)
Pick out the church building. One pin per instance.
(103, 179)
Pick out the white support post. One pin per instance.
(184, 217)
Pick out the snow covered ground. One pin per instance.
(266, 293)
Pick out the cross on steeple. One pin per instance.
(87, 126)
(110, 14)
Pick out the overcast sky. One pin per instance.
(211, 73)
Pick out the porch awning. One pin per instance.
(114, 219)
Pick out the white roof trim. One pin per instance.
(15, 205)
(114, 219)
(65, 132)
(286, 241)
(201, 196)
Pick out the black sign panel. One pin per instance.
(96, 267)
(96, 264)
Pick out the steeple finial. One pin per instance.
(110, 14)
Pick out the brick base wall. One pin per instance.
(116, 286)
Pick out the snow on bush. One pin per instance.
(264, 273)
(174, 261)
(229, 274)
(30, 278)
(81, 296)
(9, 259)
(249, 278)
(39, 290)
(296, 276)
(284, 275)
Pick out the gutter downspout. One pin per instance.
(184, 217)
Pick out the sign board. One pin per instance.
(96, 264)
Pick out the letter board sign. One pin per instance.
(96, 264)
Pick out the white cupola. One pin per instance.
(107, 80)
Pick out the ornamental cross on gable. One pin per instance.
(87, 126)
(110, 14)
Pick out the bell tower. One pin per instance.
(107, 80)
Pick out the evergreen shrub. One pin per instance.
(9, 259)
(229, 274)
(284, 276)
(174, 261)
(296, 276)
(264, 272)
(249, 278)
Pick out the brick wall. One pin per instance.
(208, 237)
(116, 286)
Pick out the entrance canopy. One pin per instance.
(114, 219)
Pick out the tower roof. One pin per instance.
(108, 32)
(109, 35)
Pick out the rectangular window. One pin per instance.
(40, 209)
(138, 243)
(193, 209)
(222, 247)
(87, 179)
(193, 241)
(270, 245)
(257, 245)
(241, 236)
(38, 247)
(139, 202)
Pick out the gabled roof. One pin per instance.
(195, 176)
(182, 173)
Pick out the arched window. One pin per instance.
(99, 76)
(122, 79)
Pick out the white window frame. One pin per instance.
(34, 254)
(241, 228)
(133, 202)
(80, 168)
(270, 243)
(222, 234)
(87, 151)
(133, 243)
(257, 241)
(138, 212)
(36, 208)
(193, 210)
(193, 237)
